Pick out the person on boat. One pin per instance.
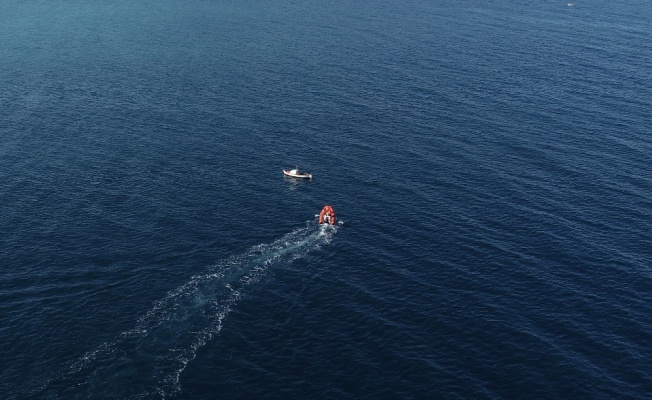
(327, 218)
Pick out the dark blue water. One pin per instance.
(490, 163)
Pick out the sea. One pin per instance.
(489, 162)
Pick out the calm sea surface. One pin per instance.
(490, 163)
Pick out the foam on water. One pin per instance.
(148, 359)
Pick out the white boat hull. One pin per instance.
(300, 175)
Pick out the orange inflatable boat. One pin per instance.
(327, 215)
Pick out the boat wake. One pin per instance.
(147, 360)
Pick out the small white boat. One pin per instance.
(295, 173)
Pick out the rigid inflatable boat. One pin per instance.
(327, 216)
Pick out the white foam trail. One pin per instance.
(166, 338)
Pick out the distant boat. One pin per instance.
(570, 4)
(295, 173)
